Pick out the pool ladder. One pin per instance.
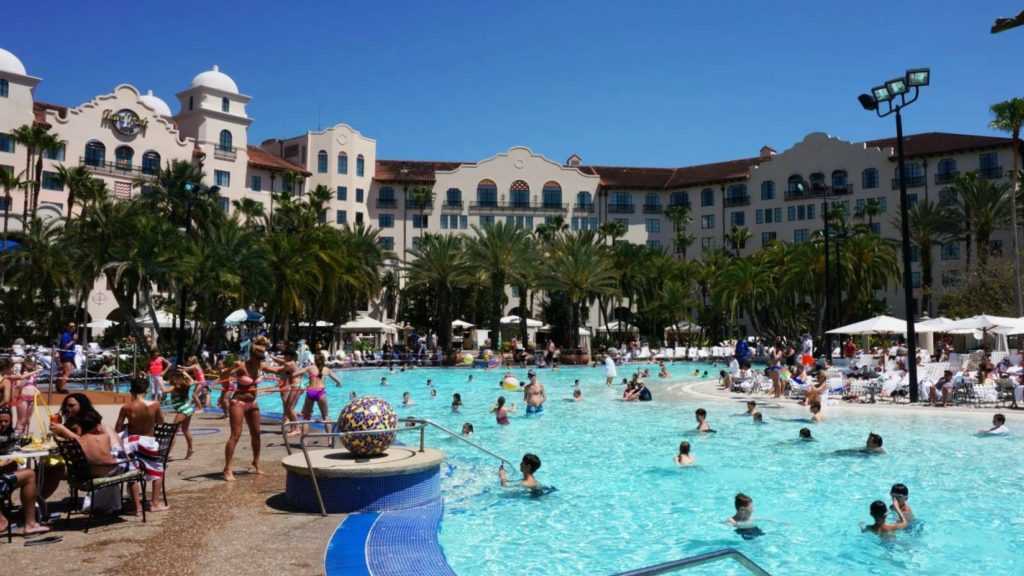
(710, 557)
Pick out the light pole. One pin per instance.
(893, 96)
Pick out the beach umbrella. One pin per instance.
(530, 322)
(877, 325)
(984, 322)
(241, 316)
(461, 324)
(940, 324)
(9, 245)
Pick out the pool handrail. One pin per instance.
(683, 563)
(410, 424)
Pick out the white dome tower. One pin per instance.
(16, 89)
(157, 104)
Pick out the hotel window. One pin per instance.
(737, 194)
(810, 211)
(952, 278)
(386, 197)
(225, 205)
(191, 102)
(652, 225)
(778, 215)
(385, 221)
(4, 88)
(915, 279)
(486, 220)
(839, 179)
(584, 201)
(453, 197)
(652, 204)
(768, 190)
(817, 181)
(150, 163)
(707, 242)
(225, 105)
(51, 181)
(738, 218)
(707, 221)
(876, 228)
(759, 216)
(869, 178)
(222, 178)
(790, 213)
(521, 221)
(767, 238)
(55, 153)
(551, 195)
(519, 194)
(419, 221)
(487, 193)
(386, 242)
(360, 165)
(342, 163)
(321, 216)
(950, 251)
(359, 218)
(947, 169)
(321, 162)
(444, 222)
(342, 193)
(794, 183)
(654, 245)
(123, 156)
(340, 217)
(801, 235)
(948, 197)
(257, 184)
(226, 142)
(883, 203)
(620, 202)
(359, 194)
(6, 143)
(911, 200)
(463, 221)
(915, 254)
(679, 199)
(707, 197)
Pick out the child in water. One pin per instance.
(529, 465)
(743, 519)
(879, 512)
(684, 458)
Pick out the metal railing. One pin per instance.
(946, 177)
(912, 182)
(699, 560)
(991, 172)
(739, 200)
(410, 425)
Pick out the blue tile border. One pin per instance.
(364, 493)
(346, 552)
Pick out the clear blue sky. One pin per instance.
(636, 83)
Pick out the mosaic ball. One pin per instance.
(367, 413)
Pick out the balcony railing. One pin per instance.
(653, 209)
(589, 207)
(743, 200)
(686, 203)
(225, 153)
(452, 205)
(622, 208)
(416, 204)
(819, 191)
(115, 168)
(387, 203)
(912, 182)
(517, 207)
(991, 172)
(947, 177)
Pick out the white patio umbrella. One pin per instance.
(618, 326)
(461, 324)
(101, 324)
(366, 325)
(940, 324)
(319, 324)
(877, 325)
(683, 327)
(165, 319)
(530, 322)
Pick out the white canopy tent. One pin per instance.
(940, 324)
(367, 325)
(619, 326)
(877, 325)
(983, 322)
(319, 324)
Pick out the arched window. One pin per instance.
(768, 190)
(321, 162)
(225, 105)
(360, 165)
(817, 181)
(226, 142)
(947, 171)
(95, 153)
(652, 203)
(123, 156)
(552, 194)
(4, 88)
(679, 199)
(839, 179)
(150, 162)
(487, 193)
(453, 198)
(342, 163)
(794, 183)
(948, 197)
(584, 201)
(915, 177)
(519, 194)
(869, 178)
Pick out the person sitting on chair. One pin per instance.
(945, 386)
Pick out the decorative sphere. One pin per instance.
(367, 413)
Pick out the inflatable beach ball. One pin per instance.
(367, 413)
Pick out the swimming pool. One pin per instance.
(621, 502)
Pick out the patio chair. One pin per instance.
(7, 509)
(164, 434)
(80, 478)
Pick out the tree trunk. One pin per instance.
(497, 287)
(522, 314)
(38, 182)
(926, 279)
(574, 334)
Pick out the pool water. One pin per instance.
(622, 503)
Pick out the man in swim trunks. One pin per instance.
(136, 423)
(610, 371)
(534, 395)
(68, 338)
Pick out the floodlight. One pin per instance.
(868, 102)
(897, 86)
(918, 77)
(881, 94)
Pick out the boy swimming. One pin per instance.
(702, 422)
(528, 466)
(743, 519)
(879, 512)
(899, 494)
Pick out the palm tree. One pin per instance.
(9, 181)
(41, 269)
(249, 209)
(738, 237)
(612, 229)
(291, 182)
(745, 284)
(318, 198)
(1009, 116)
(47, 142)
(930, 226)
(547, 231)
(31, 137)
(680, 216)
(77, 180)
(983, 208)
(496, 250)
(578, 268)
(422, 196)
(870, 209)
(440, 265)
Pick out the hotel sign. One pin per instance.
(125, 121)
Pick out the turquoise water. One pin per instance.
(621, 502)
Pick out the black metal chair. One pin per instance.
(164, 434)
(80, 478)
(7, 509)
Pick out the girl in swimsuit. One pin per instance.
(290, 386)
(158, 366)
(775, 369)
(195, 370)
(501, 413)
(226, 385)
(181, 401)
(317, 392)
(25, 392)
(243, 404)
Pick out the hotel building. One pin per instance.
(778, 195)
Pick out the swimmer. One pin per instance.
(684, 458)
(534, 395)
(352, 396)
(470, 379)
(702, 420)
(529, 466)
(998, 426)
(704, 374)
(384, 381)
(662, 369)
(501, 413)
(751, 408)
(576, 383)
(758, 418)
(743, 519)
(407, 399)
(879, 512)
(817, 415)
(805, 435)
(456, 402)
(899, 494)
(430, 382)
(696, 373)
(577, 395)
(433, 393)
(873, 446)
(467, 429)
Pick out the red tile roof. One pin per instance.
(411, 170)
(930, 143)
(39, 110)
(628, 177)
(263, 159)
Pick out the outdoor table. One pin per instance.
(39, 456)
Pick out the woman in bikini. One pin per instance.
(25, 392)
(317, 392)
(775, 370)
(501, 413)
(243, 404)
